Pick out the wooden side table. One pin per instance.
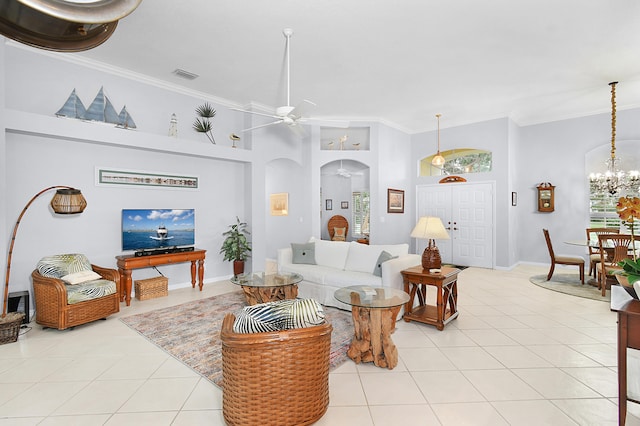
(628, 310)
(127, 263)
(445, 310)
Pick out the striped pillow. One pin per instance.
(280, 315)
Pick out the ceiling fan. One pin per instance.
(291, 116)
(343, 172)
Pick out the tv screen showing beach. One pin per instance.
(155, 228)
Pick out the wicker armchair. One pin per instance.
(52, 309)
(275, 378)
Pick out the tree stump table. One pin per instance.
(260, 287)
(374, 311)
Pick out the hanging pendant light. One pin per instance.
(438, 160)
(614, 181)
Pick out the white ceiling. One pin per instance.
(400, 62)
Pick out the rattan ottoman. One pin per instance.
(276, 378)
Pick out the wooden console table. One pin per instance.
(416, 280)
(628, 310)
(127, 263)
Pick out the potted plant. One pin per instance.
(628, 209)
(235, 246)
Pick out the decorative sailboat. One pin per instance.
(72, 108)
(101, 109)
(125, 120)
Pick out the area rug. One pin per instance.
(570, 284)
(190, 332)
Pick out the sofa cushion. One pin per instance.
(362, 257)
(331, 253)
(384, 256)
(337, 278)
(281, 315)
(303, 253)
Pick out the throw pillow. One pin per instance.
(384, 256)
(304, 253)
(280, 315)
(339, 234)
(80, 277)
(59, 265)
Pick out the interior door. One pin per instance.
(466, 210)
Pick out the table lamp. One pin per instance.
(430, 228)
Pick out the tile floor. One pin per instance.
(518, 355)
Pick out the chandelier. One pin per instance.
(614, 181)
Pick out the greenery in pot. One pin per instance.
(235, 245)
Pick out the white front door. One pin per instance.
(466, 210)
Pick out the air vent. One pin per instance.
(185, 74)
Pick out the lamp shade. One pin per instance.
(430, 228)
(68, 201)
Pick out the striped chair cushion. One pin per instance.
(59, 265)
(280, 315)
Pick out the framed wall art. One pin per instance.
(144, 179)
(395, 201)
(279, 204)
(344, 205)
(328, 204)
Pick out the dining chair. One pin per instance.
(594, 249)
(562, 259)
(613, 249)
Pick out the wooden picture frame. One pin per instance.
(279, 204)
(328, 204)
(344, 205)
(395, 201)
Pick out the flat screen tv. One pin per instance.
(148, 229)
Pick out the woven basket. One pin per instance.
(151, 288)
(10, 327)
(275, 378)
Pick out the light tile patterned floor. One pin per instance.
(517, 355)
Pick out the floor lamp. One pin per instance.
(67, 200)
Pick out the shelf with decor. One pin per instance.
(101, 133)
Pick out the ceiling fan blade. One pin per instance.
(263, 125)
(297, 129)
(299, 111)
(255, 113)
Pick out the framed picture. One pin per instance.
(514, 199)
(395, 201)
(141, 179)
(279, 204)
(328, 204)
(344, 205)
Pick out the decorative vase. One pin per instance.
(238, 267)
(623, 280)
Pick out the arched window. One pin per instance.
(458, 161)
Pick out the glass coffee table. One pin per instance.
(260, 287)
(374, 311)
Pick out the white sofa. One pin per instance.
(342, 264)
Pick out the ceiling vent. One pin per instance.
(62, 25)
(185, 74)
